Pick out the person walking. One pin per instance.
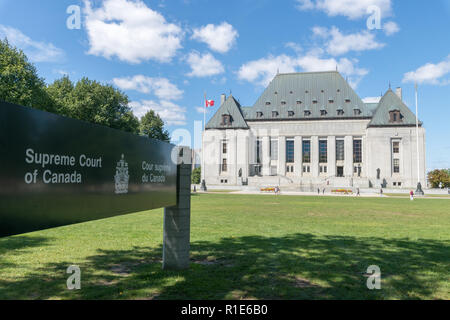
(411, 195)
(357, 192)
(381, 192)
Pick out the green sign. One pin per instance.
(57, 171)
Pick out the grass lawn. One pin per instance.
(244, 247)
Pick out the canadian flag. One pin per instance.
(209, 103)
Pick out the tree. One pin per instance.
(19, 81)
(196, 175)
(437, 177)
(92, 101)
(152, 126)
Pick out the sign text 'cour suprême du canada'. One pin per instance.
(57, 171)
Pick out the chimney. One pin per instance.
(399, 93)
(223, 98)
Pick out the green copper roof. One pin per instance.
(229, 107)
(391, 102)
(310, 91)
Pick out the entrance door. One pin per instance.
(340, 172)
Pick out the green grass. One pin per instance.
(406, 194)
(244, 247)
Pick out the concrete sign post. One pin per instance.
(177, 219)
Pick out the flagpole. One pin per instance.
(203, 187)
(419, 189)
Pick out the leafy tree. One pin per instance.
(436, 177)
(152, 126)
(196, 175)
(19, 81)
(92, 101)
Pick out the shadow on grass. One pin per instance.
(18, 243)
(298, 266)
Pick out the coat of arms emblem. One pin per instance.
(122, 178)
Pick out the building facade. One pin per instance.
(310, 130)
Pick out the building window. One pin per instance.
(306, 169)
(274, 114)
(273, 149)
(290, 114)
(226, 120)
(395, 116)
(340, 150)
(340, 112)
(356, 112)
(348, 100)
(323, 169)
(306, 151)
(396, 166)
(268, 103)
(258, 151)
(396, 147)
(224, 147)
(357, 151)
(323, 151)
(259, 114)
(290, 169)
(224, 165)
(314, 101)
(331, 100)
(283, 103)
(307, 113)
(299, 102)
(290, 152)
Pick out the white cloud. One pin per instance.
(219, 38)
(390, 28)
(371, 100)
(339, 44)
(201, 110)
(160, 87)
(130, 31)
(172, 114)
(430, 73)
(204, 65)
(35, 50)
(352, 9)
(262, 71)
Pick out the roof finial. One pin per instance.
(337, 68)
(389, 85)
(278, 71)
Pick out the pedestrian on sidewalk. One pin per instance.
(411, 195)
(357, 192)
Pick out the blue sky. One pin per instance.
(166, 54)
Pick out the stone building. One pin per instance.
(310, 130)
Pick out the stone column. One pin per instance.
(331, 156)
(315, 156)
(298, 156)
(281, 156)
(348, 163)
(177, 220)
(266, 156)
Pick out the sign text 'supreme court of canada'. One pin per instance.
(57, 171)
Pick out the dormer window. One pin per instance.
(268, 103)
(340, 112)
(323, 112)
(348, 100)
(307, 113)
(283, 103)
(315, 101)
(299, 102)
(226, 120)
(274, 114)
(259, 114)
(356, 112)
(290, 114)
(331, 100)
(395, 116)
